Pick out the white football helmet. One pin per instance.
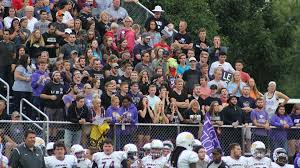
(146, 149)
(156, 148)
(258, 149)
(39, 142)
(168, 145)
(185, 139)
(49, 148)
(280, 156)
(131, 150)
(78, 151)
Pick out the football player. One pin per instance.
(168, 148)
(60, 159)
(78, 152)
(235, 159)
(155, 159)
(258, 159)
(132, 156)
(183, 156)
(109, 158)
(280, 158)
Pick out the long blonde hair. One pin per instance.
(33, 40)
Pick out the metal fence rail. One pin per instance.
(6, 98)
(143, 133)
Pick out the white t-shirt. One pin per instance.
(186, 158)
(262, 163)
(233, 163)
(112, 160)
(275, 165)
(86, 163)
(148, 162)
(31, 22)
(67, 17)
(226, 66)
(70, 161)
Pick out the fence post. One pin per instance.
(115, 136)
(243, 141)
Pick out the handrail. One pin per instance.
(7, 94)
(39, 111)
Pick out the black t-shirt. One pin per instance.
(84, 19)
(209, 100)
(191, 77)
(198, 48)
(102, 28)
(161, 22)
(54, 89)
(189, 114)
(7, 51)
(51, 39)
(179, 98)
(200, 100)
(105, 100)
(146, 119)
(247, 102)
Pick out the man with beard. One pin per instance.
(217, 159)
(51, 42)
(235, 159)
(139, 48)
(51, 97)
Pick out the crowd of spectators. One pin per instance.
(88, 62)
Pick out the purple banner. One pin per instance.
(209, 137)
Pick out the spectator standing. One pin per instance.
(43, 23)
(272, 98)
(127, 33)
(39, 79)
(204, 89)
(21, 86)
(51, 42)
(145, 64)
(293, 135)
(103, 24)
(160, 21)
(8, 19)
(67, 17)
(153, 32)
(236, 85)
(60, 26)
(282, 121)
(221, 63)
(254, 93)
(191, 76)
(239, 65)
(65, 51)
(201, 43)
(183, 66)
(179, 96)
(182, 38)
(86, 16)
(193, 115)
(203, 60)
(260, 119)
(246, 103)
(213, 97)
(215, 50)
(197, 95)
(78, 114)
(29, 15)
(7, 55)
(3, 114)
(114, 109)
(141, 47)
(116, 12)
(52, 99)
(35, 45)
(27, 155)
(152, 98)
(217, 80)
(214, 114)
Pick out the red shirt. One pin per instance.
(245, 76)
(164, 46)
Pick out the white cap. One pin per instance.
(68, 30)
(50, 146)
(158, 9)
(192, 59)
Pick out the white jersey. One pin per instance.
(86, 163)
(186, 158)
(113, 160)
(148, 162)
(136, 164)
(275, 165)
(262, 163)
(70, 161)
(4, 161)
(233, 163)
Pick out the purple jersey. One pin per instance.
(261, 117)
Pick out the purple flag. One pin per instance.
(209, 137)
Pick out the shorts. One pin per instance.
(55, 114)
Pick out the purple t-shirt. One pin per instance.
(261, 117)
(295, 118)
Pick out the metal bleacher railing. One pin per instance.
(6, 98)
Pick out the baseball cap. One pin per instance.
(213, 87)
(68, 31)
(192, 59)
(74, 51)
(60, 13)
(217, 151)
(146, 35)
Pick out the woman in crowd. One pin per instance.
(146, 115)
(272, 98)
(35, 45)
(127, 33)
(122, 47)
(193, 115)
(25, 32)
(236, 85)
(254, 93)
(293, 134)
(174, 115)
(215, 116)
(15, 32)
(182, 67)
(96, 50)
(153, 31)
(144, 81)
(9, 19)
(282, 121)
(204, 88)
(159, 113)
(103, 24)
(96, 87)
(22, 84)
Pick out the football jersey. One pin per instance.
(262, 163)
(186, 158)
(148, 162)
(86, 163)
(70, 161)
(275, 165)
(136, 164)
(109, 161)
(233, 163)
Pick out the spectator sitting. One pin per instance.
(193, 115)
(217, 80)
(213, 97)
(236, 85)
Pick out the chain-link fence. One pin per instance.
(90, 135)
(137, 12)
